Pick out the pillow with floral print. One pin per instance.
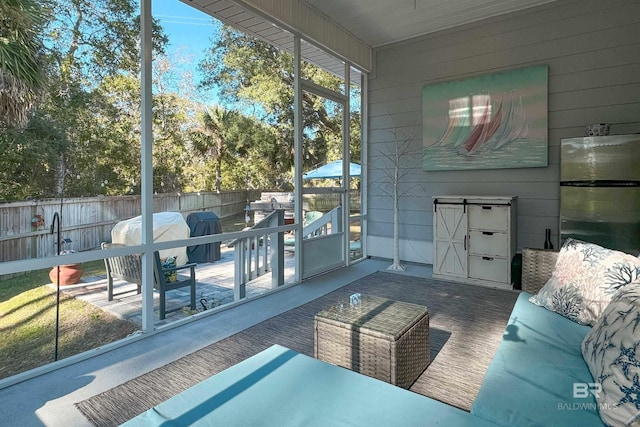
(585, 278)
(612, 352)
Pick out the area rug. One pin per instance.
(466, 325)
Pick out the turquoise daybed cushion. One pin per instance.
(530, 380)
(280, 387)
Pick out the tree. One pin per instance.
(21, 76)
(398, 158)
(30, 155)
(91, 40)
(91, 104)
(229, 152)
(258, 78)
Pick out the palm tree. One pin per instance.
(209, 139)
(216, 122)
(21, 76)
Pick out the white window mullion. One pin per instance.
(147, 166)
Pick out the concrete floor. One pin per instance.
(48, 400)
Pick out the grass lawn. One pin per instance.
(27, 322)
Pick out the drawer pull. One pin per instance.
(486, 207)
(488, 233)
(487, 258)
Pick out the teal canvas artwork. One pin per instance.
(492, 121)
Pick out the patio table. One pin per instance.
(381, 338)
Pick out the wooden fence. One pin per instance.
(326, 202)
(25, 226)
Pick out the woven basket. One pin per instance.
(537, 267)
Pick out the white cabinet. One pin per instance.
(474, 239)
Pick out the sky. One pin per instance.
(189, 32)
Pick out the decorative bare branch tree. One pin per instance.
(400, 159)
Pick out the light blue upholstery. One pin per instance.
(279, 387)
(530, 379)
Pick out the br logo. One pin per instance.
(583, 390)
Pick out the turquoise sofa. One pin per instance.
(530, 381)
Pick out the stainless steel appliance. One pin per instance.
(600, 191)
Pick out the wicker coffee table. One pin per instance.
(381, 338)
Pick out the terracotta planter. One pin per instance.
(69, 274)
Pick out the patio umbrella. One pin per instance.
(332, 170)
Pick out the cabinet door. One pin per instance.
(450, 240)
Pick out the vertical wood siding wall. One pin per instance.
(592, 48)
(88, 221)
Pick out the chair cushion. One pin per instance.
(584, 280)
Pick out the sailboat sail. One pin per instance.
(487, 129)
(493, 131)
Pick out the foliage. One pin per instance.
(91, 41)
(259, 77)
(21, 76)
(92, 52)
(83, 136)
(29, 159)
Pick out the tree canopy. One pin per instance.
(80, 119)
(259, 78)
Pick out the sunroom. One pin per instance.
(392, 52)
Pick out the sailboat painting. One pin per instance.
(492, 121)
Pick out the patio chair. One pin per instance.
(126, 267)
(129, 268)
(163, 285)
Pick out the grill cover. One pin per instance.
(204, 224)
(167, 226)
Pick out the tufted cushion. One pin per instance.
(585, 278)
(612, 352)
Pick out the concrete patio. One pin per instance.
(214, 288)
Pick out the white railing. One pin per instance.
(326, 224)
(258, 254)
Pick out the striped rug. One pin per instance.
(466, 325)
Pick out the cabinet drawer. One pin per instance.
(489, 268)
(488, 243)
(488, 217)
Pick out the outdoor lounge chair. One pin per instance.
(129, 268)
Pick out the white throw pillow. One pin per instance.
(584, 280)
(612, 352)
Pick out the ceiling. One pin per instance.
(381, 22)
(365, 23)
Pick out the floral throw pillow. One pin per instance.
(612, 352)
(585, 278)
